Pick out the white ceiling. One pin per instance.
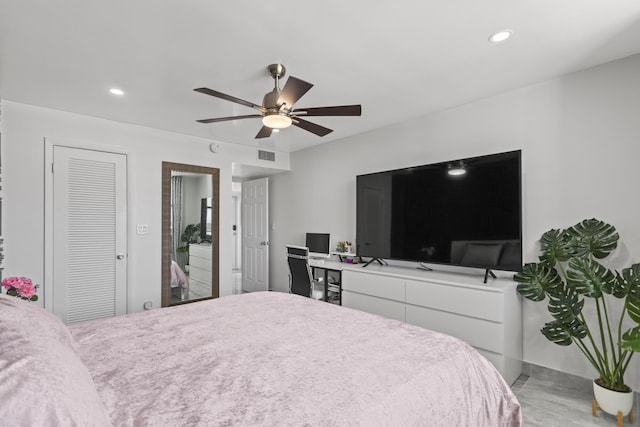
(398, 59)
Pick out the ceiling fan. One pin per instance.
(277, 110)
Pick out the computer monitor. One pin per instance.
(318, 244)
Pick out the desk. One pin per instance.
(330, 274)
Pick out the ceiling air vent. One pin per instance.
(267, 155)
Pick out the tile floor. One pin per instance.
(198, 290)
(550, 398)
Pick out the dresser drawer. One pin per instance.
(203, 263)
(200, 274)
(479, 333)
(391, 288)
(200, 251)
(456, 299)
(380, 306)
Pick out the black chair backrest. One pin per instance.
(298, 260)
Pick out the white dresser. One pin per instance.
(487, 316)
(200, 264)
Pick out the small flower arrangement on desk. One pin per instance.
(21, 287)
(343, 247)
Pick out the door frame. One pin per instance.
(49, 143)
(267, 230)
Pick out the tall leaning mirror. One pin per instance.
(190, 233)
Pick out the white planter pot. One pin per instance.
(613, 402)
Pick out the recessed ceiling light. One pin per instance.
(116, 91)
(500, 36)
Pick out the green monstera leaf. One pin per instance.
(556, 246)
(633, 309)
(631, 277)
(593, 237)
(631, 339)
(536, 280)
(565, 306)
(590, 278)
(630, 281)
(562, 333)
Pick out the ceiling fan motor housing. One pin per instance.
(270, 100)
(275, 116)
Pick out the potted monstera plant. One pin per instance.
(570, 274)
(189, 235)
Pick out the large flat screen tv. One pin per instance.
(464, 212)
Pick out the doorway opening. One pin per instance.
(250, 227)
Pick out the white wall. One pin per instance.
(580, 141)
(24, 128)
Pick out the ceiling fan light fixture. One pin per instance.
(276, 121)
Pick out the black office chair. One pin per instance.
(301, 280)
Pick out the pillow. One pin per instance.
(33, 317)
(42, 380)
(482, 254)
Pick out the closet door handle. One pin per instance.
(120, 256)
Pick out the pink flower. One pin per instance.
(26, 289)
(21, 287)
(11, 282)
(26, 280)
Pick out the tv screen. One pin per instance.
(318, 244)
(464, 212)
(206, 208)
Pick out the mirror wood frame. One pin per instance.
(167, 168)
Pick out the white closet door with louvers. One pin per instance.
(89, 234)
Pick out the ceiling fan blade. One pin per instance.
(311, 127)
(292, 91)
(221, 95)
(225, 119)
(343, 110)
(265, 132)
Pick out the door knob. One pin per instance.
(120, 256)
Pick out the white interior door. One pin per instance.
(89, 234)
(255, 235)
(235, 240)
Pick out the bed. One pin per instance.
(264, 359)
(179, 280)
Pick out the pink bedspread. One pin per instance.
(274, 359)
(178, 278)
